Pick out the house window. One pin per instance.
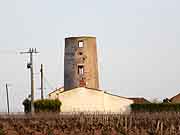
(80, 70)
(80, 44)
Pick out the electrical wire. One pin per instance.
(48, 83)
(8, 52)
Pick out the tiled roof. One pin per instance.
(57, 89)
(90, 89)
(140, 100)
(175, 98)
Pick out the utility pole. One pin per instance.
(30, 65)
(42, 83)
(7, 98)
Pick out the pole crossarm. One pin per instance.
(31, 50)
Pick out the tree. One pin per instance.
(27, 105)
(166, 100)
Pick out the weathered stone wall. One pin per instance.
(86, 57)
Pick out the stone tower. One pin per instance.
(80, 63)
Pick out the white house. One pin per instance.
(84, 99)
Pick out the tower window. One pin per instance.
(80, 70)
(80, 44)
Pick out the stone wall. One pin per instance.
(80, 63)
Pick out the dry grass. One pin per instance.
(91, 124)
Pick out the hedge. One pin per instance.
(155, 107)
(47, 105)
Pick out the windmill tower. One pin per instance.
(80, 63)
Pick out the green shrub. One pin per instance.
(1, 132)
(47, 105)
(155, 107)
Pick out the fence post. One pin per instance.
(130, 122)
(161, 128)
(157, 128)
(126, 126)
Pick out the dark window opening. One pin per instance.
(80, 53)
(80, 70)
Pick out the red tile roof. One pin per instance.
(140, 100)
(175, 99)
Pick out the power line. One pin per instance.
(4, 53)
(48, 83)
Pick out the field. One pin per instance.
(164, 123)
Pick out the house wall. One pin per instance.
(88, 100)
(116, 104)
(85, 56)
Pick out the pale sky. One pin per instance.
(138, 45)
